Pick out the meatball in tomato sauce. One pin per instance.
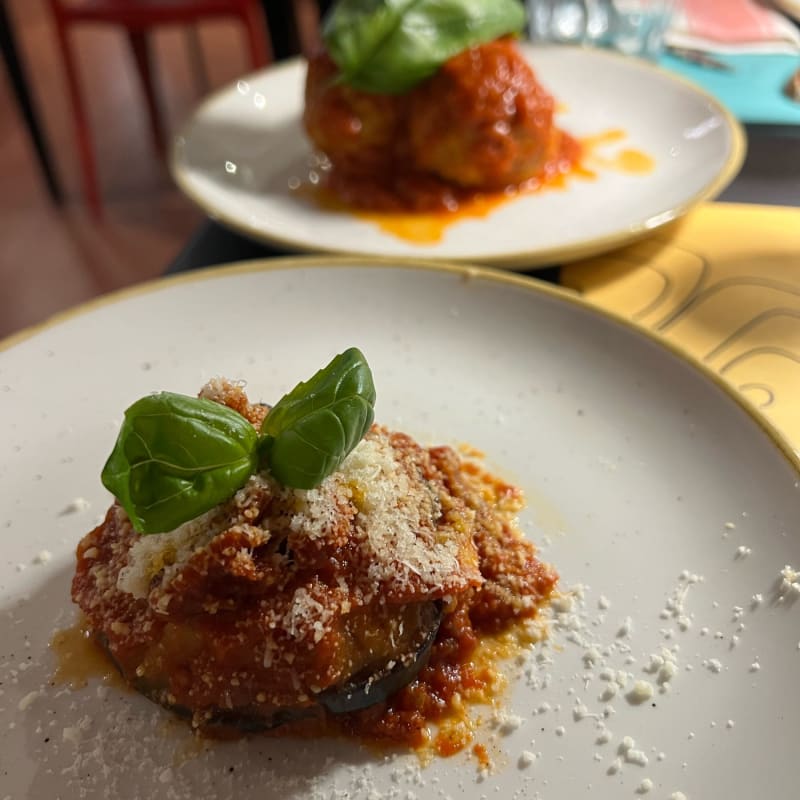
(481, 123)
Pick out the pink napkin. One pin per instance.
(732, 26)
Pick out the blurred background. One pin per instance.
(74, 227)
(54, 252)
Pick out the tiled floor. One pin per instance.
(52, 258)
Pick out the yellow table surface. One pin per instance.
(722, 284)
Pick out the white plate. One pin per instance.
(241, 148)
(633, 460)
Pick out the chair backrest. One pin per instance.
(86, 6)
(307, 23)
(305, 13)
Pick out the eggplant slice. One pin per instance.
(368, 688)
(359, 691)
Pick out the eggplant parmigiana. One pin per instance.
(355, 606)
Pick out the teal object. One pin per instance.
(752, 89)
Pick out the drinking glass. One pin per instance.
(633, 27)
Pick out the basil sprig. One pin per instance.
(389, 46)
(177, 456)
(310, 430)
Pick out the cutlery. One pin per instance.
(699, 57)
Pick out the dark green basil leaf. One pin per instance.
(311, 430)
(176, 457)
(388, 46)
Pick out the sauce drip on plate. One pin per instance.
(79, 659)
(581, 159)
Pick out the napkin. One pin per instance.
(722, 285)
(732, 26)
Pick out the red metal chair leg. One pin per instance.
(82, 132)
(194, 50)
(255, 24)
(141, 53)
(307, 22)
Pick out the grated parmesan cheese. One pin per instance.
(396, 512)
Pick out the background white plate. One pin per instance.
(243, 145)
(634, 463)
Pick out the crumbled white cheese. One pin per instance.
(506, 722)
(605, 737)
(645, 786)
(608, 693)
(562, 603)
(625, 628)
(666, 673)
(391, 503)
(742, 551)
(580, 712)
(28, 699)
(526, 758)
(42, 557)
(75, 506)
(591, 657)
(637, 757)
(641, 692)
(789, 574)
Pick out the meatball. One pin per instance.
(358, 131)
(482, 121)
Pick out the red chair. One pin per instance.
(137, 17)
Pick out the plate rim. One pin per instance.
(521, 260)
(467, 272)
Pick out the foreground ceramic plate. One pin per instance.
(238, 155)
(665, 506)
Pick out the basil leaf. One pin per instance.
(176, 457)
(311, 430)
(389, 46)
